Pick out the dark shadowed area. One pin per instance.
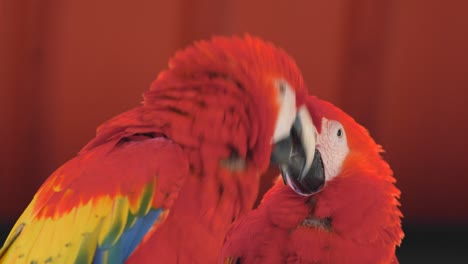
(399, 67)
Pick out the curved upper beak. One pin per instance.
(300, 162)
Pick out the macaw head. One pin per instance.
(267, 86)
(342, 145)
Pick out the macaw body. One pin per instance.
(164, 181)
(353, 219)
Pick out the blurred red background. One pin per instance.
(399, 67)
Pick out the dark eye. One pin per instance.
(339, 133)
(282, 87)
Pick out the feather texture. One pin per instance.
(354, 219)
(154, 180)
(104, 224)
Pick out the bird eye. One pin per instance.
(282, 87)
(339, 133)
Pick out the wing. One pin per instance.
(99, 206)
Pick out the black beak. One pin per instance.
(291, 156)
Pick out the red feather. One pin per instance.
(354, 219)
(218, 103)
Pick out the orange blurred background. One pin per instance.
(399, 67)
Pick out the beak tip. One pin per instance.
(311, 181)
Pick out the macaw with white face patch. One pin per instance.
(354, 218)
(164, 181)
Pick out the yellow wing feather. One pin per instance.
(60, 226)
(75, 234)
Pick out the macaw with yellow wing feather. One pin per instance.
(162, 182)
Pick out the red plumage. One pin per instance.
(216, 107)
(354, 219)
(122, 170)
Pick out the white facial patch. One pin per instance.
(287, 110)
(333, 147)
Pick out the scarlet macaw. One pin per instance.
(353, 219)
(163, 182)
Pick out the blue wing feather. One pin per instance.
(127, 243)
